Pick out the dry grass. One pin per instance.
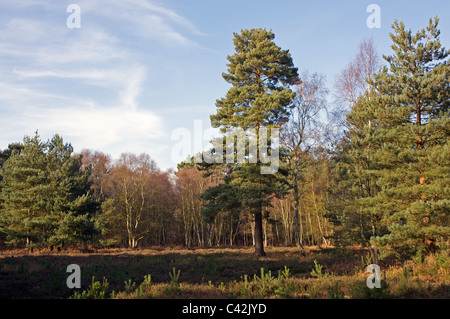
(226, 272)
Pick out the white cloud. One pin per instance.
(99, 128)
(132, 88)
(128, 81)
(172, 15)
(144, 19)
(86, 84)
(113, 129)
(29, 31)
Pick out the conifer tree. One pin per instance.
(401, 140)
(23, 193)
(260, 74)
(72, 204)
(45, 195)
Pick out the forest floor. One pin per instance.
(228, 272)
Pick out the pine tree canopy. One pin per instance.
(260, 73)
(399, 143)
(45, 195)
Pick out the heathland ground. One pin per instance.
(223, 272)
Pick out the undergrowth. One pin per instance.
(412, 280)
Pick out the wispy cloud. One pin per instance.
(85, 84)
(127, 82)
(144, 19)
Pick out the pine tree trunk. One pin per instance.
(259, 244)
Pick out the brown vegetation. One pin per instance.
(227, 272)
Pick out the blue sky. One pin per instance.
(137, 70)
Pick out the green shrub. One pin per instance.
(317, 271)
(96, 290)
(443, 260)
(174, 277)
(129, 286)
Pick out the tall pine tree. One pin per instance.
(401, 140)
(260, 74)
(24, 193)
(45, 195)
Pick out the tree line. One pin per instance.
(369, 168)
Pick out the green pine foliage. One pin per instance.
(45, 195)
(260, 74)
(384, 187)
(415, 169)
(395, 163)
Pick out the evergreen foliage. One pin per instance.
(260, 73)
(394, 161)
(385, 187)
(45, 195)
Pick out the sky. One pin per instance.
(133, 73)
